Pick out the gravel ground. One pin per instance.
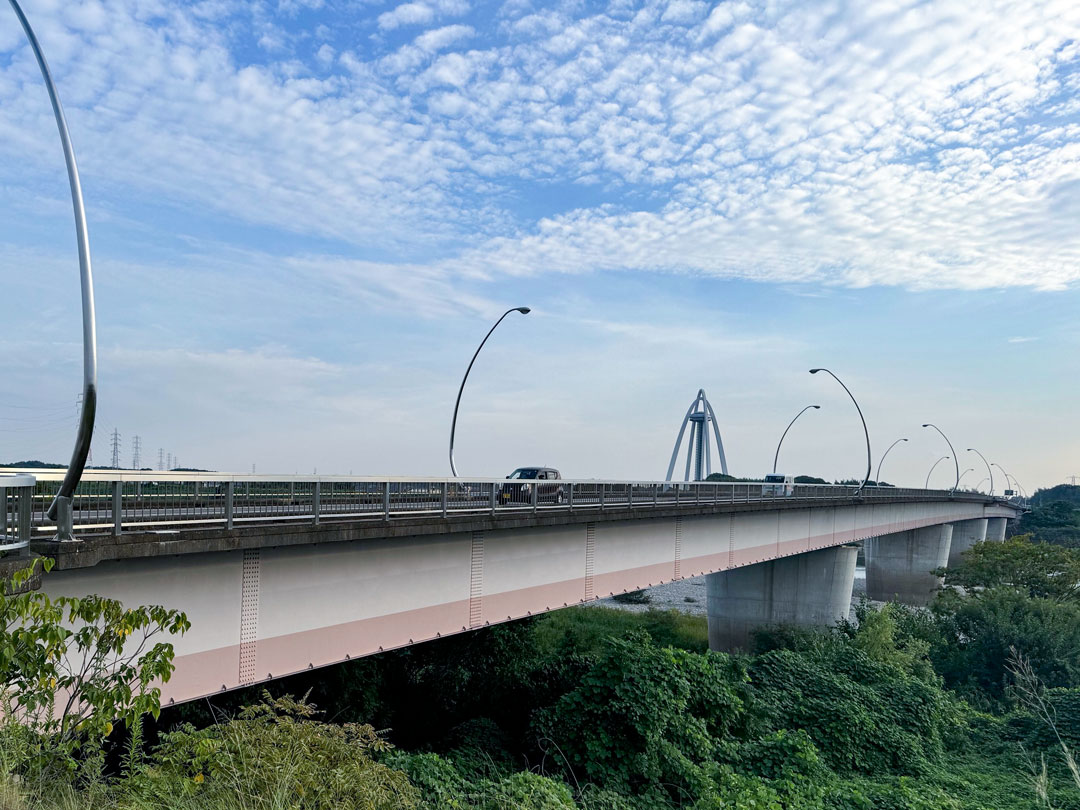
(688, 595)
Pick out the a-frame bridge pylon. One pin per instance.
(698, 453)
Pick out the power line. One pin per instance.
(116, 449)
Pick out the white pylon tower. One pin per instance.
(698, 453)
(161, 458)
(136, 453)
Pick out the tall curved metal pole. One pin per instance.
(946, 438)
(457, 402)
(861, 418)
(927, 484)
(978, 485)
(776, 457)
(60, 509)
(988, 470)
(877, 477)
(1008, 483)
(965, 472)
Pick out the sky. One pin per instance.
(305, 214)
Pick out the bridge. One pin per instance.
(283, 574)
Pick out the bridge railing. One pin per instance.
(119, 501)
(16, 510)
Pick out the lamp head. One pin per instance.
(903, 440)
(524, 310)
(927, 425)
(972, 450)
(816, 407)
(815, 370)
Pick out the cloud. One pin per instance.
(1022, 339)
(929, 147)
(420, 13)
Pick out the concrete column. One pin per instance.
(898, 565)
(965, 534)
(995, 530)
(811, 589)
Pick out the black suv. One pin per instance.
(522, 492)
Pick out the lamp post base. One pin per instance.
(64, 520)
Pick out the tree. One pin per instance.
(72, 667)
(1040, 570)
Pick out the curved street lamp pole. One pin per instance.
(979, 485)
(877, 478)
(861, 418)
(1009, 480)
(792, 422)
(989, 472)
(60, 509)
(965, 472)
(457, 403)
(927, 484)
(946, 438)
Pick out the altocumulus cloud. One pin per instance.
(919, 144)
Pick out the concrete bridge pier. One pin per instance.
(898, 565)
(965, 534)
(995, 529)
(810, 589)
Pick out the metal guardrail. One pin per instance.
(16, 509)
(122, 501)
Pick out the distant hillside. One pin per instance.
(1062, 492)
(1054, 516)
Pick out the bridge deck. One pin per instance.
(131, 515)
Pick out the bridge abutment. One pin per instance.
(995, 529)
(810, 589)
(966, 533)
(898, 565)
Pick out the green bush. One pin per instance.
(977, 635)
(443, 786)
(274, 754)
(526, 791)
(437, 780)
(863, 715)
(646, 717)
